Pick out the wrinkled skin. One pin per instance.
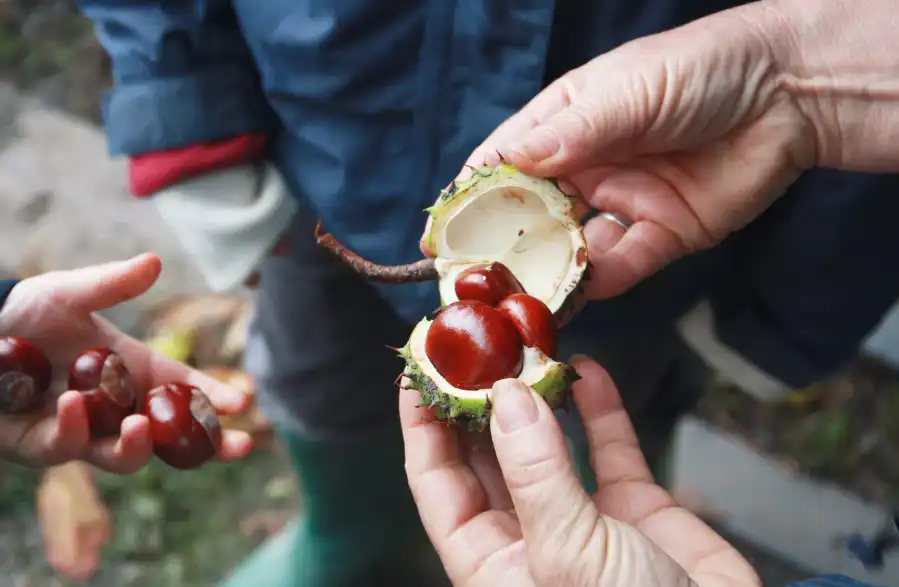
(55, 311)
(690, 146)
(692, 133)
(513, 513)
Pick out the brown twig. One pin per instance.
(424, 270)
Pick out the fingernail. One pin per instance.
(539, 144)
(513, 406)
(577, 358)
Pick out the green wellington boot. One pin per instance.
(357, 514)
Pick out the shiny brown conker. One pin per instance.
(184, 427)
(25, 375)
(103, 379)
(534, 321)
(473, 346)
(487, 282)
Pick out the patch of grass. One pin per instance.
(171, 528)
(844, 430)
(54, 41)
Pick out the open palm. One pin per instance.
(519, 516)
(56, 312)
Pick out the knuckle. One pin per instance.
(531, 470)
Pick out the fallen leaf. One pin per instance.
(75, 523)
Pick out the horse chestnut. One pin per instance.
(185, 429)
(473, 346)
(489, 283)
(105, 382)
(25, 375)
(534, 322)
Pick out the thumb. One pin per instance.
(98, 287)
(594, 123)
(557, 517)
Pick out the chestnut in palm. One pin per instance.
(185, 429)
(103, 379)
(25, 375)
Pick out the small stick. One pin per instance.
(424, 270)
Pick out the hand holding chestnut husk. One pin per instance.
(508, 255)
(51, 336)
(513, 497)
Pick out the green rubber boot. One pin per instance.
(357, 512)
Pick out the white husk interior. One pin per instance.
(519, 223)
(536, 365)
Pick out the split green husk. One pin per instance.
(497, 214)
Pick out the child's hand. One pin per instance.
(55, 311)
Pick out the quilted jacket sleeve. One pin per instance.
(182, 74)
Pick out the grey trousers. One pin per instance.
(318, 350)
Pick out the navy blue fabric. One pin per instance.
(6, 286)
(373, 105)
(831, 581)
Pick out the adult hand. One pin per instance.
(55, 311)
(685, 135)
(519, 517)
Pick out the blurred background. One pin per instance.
(825, 456)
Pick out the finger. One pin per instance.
(124, 454)
(434, 462)
(615, 453)
(224, 398)
(451, 502)
(600, 124)
(65, 435)
(602, 235)
(557, 517)
(53, 439)
(236, 444)
(645, 249)
(480, 456)
(98, 287)
(553, 99)
(664, 229)
(151, 369)
(626, 489)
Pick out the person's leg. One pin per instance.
(317, 351)
(660, 379)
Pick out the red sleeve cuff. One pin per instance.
(152, 172)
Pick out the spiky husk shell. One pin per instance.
(473, 413)
(489, 176)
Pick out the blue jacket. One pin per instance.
(373, 105)
(826, 581)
